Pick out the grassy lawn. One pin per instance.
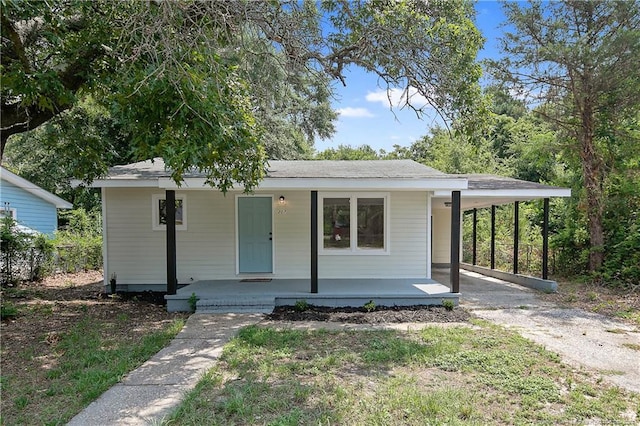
(63, 347)
(462, 375)
(85, 362)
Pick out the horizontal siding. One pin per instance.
(31, 211)
(292, 235)
(407, 245)
(441, 235)
(207, 248)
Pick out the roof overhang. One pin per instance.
(480, 198)
(283, 184)
(34, 189)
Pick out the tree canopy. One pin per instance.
(204, 84)
(577, 63)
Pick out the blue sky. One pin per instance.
(365, 115)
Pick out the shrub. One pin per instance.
(448, 304)
(370, 306)
(79, 244)
(193, 302)
(301, 305)
(24, 255)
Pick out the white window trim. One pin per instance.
(155, 212)
(12, 212)
(353, 228)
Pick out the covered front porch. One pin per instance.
(260, 295)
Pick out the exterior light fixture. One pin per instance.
(281, 199)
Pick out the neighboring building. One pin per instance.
(372, 220)
(31, 206)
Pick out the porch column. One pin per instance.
(314, 241)
(516, 235)
(545, 240)
(455, 242)
(170, 203)
(493, 237)
(475, 237)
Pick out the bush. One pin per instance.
(79, 244)
(25, 256)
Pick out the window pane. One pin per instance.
(371, 223)
(162, 210)
(336, 223)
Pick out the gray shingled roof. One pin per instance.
(382, 169)
(492, 182)
(399, 169)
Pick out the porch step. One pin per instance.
(258, 305)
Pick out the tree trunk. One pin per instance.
(593, 176)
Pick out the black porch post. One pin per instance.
(170, 204)
(493, 237)
(314, 241)
(516, 235)
(455, 242)
(545, 241)
(475, 236)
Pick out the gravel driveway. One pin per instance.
(581, 338)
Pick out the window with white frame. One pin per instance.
(354, 223)
(6, 211)
(159, 212)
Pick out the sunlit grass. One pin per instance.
(463, 375)
(85, 363)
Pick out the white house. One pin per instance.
(319, 230)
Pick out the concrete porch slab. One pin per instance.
(239, 296)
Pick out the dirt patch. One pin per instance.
(380, 315)
(610, 302)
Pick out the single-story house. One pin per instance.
(328, 232)
(34, 208)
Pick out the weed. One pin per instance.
(44, 309)
(193, 302)
(8, 310)
(301, 305)
(448, 304)
(370, 306)
(633, 346)
(592, 296)
(21, 402)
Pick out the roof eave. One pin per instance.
(429, 184)
(35, 190)
(511, 193)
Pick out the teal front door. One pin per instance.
(255, 239)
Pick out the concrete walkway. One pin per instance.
(155, 389)
(582, 339)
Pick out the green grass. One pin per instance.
(88, 362)
(462, 375)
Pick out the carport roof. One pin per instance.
(486, 190)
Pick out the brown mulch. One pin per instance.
(380, 315)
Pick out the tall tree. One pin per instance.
(578, 61)
(170, 70)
